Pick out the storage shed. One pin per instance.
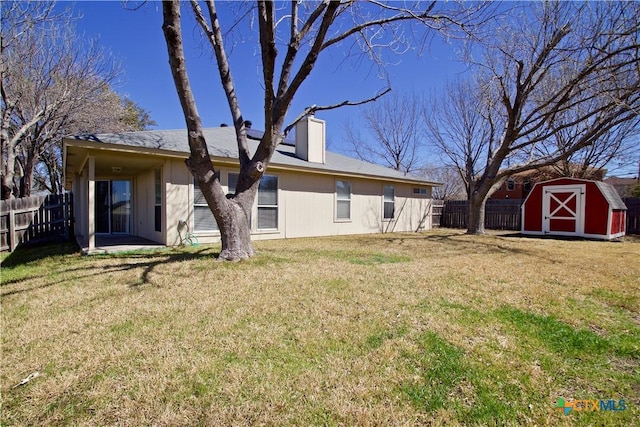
(574, 207)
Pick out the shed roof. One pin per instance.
(221, 142)
(608, 191)
(612, 196)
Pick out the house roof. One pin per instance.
(556, 171)
(614, 180)
(221, 142)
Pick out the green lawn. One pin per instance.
(436, 328)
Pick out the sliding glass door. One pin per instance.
(103, 210)
(113, 207)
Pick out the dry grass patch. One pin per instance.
(390, 329)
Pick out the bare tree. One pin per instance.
(48, 173)
(107, 111)
(17, 20)
(395, 138)
(304, 31)
(460, 126)
(553, 79)
(452, 187)
(616, 148)
(49, 75)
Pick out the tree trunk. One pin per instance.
(27, 178)
(54, 172)
(7, 186)
(8, 172)
(235, 233)
(475, 220)
(231, 212)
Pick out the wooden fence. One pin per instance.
(35, 219)
(436, 213)
(507, 215)
(633, 215)
(499, 214)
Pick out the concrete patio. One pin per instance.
(114, 243)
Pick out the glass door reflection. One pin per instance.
(113, 207)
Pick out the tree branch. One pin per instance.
(294, 43)
(269, 52)
(403, 15)
(309, 61)
(314, 108)
(172, 32)
(214, 35)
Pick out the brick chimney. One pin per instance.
(311, 140)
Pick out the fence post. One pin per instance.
(65, 213)
(12, 228)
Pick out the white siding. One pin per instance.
(178, 199)
(143, 207)
(306, 205)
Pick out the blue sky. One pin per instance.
(135, 39)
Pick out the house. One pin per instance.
(624, 186)
(574, 207)
(520, 184)
(137, 184)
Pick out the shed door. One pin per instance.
(563, 210)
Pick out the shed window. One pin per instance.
(343, 200)
(389, 202)
(268, 202)
(420, 190)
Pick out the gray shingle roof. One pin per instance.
(221, 142)
(612, 196)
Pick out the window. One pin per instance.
(343, 200)
(268, 202)
(420, 190)
(203, 219)
(158, 200)
(511, 184)
(389, 202)
(526, 186)
(232, 179)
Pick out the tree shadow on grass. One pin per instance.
(556, 237)
(170, 259)
(147, 261)
(455, 242)
(28, 253)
